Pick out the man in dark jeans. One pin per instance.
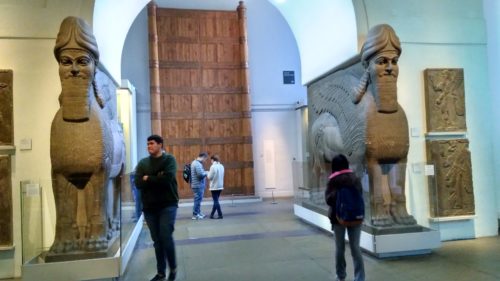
(155, 177)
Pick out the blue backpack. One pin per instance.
(349, 206)
(186, 172)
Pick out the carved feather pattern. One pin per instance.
(335, 95)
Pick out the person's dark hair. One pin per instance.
(215, 157)
(339, 162)
(203, 154)
(155, 138)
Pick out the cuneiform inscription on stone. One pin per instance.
(5, 202)
(6, 112)
(453, 193)
(445, 99)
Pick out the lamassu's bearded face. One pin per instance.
(76, 71)
(384, 70)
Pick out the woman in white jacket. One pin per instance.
(216, 177)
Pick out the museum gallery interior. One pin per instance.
(406, 90)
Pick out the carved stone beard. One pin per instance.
(385, 91)
(75, 98)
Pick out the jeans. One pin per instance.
(198, 196)
(161, 225)
(216, 207)
(137, 197)
(354, 234)
(138, 202)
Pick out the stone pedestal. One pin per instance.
(381, 242)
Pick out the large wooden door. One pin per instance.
(199, 90)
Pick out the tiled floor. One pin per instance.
(263, 241)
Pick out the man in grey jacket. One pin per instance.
(198, 175)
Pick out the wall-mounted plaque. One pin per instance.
(6, 105)
(445, 99)
(288, 77)
(453, 192)
(5, 202)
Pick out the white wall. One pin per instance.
(492, 16)
(325, 31)
(135, 68)
(445, 34)
(111, 22)
(272, 49)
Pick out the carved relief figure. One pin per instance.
(445, 99)
(86, 147)
(5, 202)
(6, 106)
(455, 193)
(355, 112)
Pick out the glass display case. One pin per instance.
(381, 241)
(83, 258)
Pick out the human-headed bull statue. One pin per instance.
(86, 147)
(355, 111)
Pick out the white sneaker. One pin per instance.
(200, 216)
(194, 217)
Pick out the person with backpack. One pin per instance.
(216, 177)
(345, 198)
(198, 175)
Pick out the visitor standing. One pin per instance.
(198, 175)
(343, 177)
(155, 176)
(216, 177)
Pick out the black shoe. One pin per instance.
(159, 277)
(171, 275)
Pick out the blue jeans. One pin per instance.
(198, 196)
(354, 234)
(216, 207)
(161, 225)
(138, 202)
(137, 197)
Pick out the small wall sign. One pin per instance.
(288, 77)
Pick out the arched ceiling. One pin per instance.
(325, 30)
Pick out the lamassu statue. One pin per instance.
(86, 149)
(355, 111)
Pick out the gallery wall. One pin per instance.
(491, 14)
(443, 34)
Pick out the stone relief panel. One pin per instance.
(6, 112)
(445, 99)
(453, 192)
(5, 202)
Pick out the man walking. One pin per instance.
(155, 177)
(198, 175)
